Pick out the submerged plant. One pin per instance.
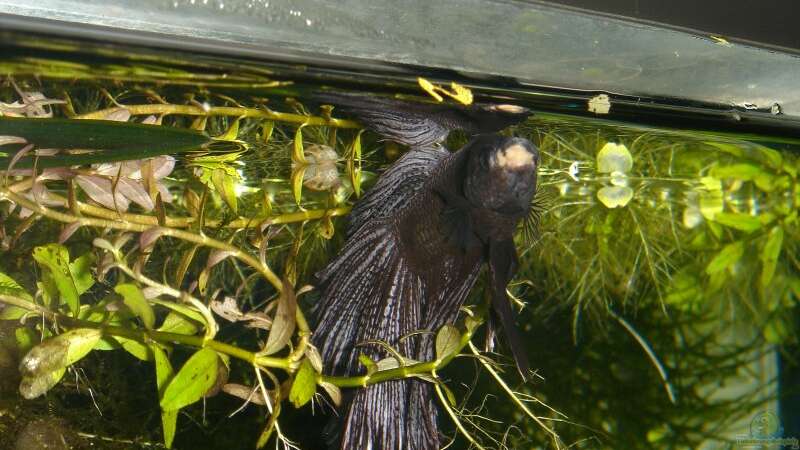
(629, 286)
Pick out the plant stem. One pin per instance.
(144, 336)
(192, 110)
(408, 371)
(184, 222)
(139, 228)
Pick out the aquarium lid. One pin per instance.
(534, 44)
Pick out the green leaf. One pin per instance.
(179, 324)
(135, 348)
(726, 258)
(304, 385)
(371, 366)
(180, 309)
(266, 131)
(107, 344)
(71, 279)
(739, 221)
(194, 379)
(34, 386)
(134, 299)
(225, 185)
(743, 172)
(448, 340)
(333, 392)
(111, 141)
(354, 165)
(10, 287)
(81, 270)
(770, 254)
(26, 339)
(283, 324)
(776, 330)
(11, 312)
(59, 352)
(297, 177)
(451, 398)
(298, 152)
(164, 374)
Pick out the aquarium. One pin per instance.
(172, 182)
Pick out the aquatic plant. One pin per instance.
(630, 290)
(176, 245)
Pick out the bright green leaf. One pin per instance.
(134, 299)
(81, 270)
(298, 174)
(304, 385)
(135, 348)
(354, 165)
(225, 185)
(164, 374)
(743, 171)
(71, 279)
(726, 258)
(11, 312)
(179, 324)
(298, 152)
(194, 379)
(10, 287)
(266, 131)
(739, 221)
(180, 309)
(770, 254)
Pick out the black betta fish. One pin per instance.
(415, 246)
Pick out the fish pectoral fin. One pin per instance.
(502, 267)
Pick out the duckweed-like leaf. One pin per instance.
(614, 157)
(192, 381)
(615, 196)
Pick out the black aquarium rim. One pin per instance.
(340, 71)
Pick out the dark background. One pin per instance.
(770, 22)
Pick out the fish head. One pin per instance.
(501, 174)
